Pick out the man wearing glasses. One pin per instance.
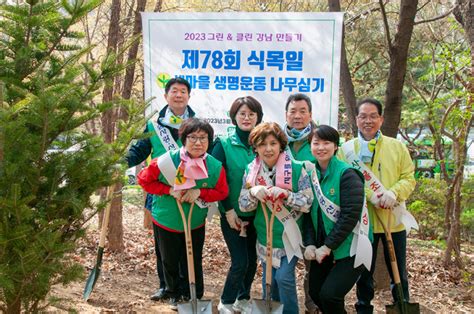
(164, 137)
(389, 174)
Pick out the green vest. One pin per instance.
(158, 148)
(237, 158)
(165, 210)
(304, 153)
(330, 185)
(259, 221)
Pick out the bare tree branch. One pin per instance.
(357, 68)
(158, 6)
(442, 125)
(439, 17)
(386, 26)
(360, 15)
(423, 5)
(347, 86)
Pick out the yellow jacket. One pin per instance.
(393, 166)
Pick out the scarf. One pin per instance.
(172, 120)
(189, 170)
(294, 135)
(367, 148)
(259, 174)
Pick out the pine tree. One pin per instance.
(47, 95)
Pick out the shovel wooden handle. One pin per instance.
(391, 248)
(269, 228)
(189, 242)
(105, 218)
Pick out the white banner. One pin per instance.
(227, 55)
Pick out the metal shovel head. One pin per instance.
(94, 275)
(264, 307)
(199, 306)
(403, 307)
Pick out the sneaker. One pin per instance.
(225, 308)
(242, 306)
(160, 295)
(173, 302)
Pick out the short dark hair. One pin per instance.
(192, 125)
(326, 133)
(371, 101)
(177, 80)
(296, 97)
(263, 130)
(251, 102)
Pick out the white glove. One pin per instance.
(191, 195)
(277, 193)
(260, 192)
(233, 220)
(321, 253)
(388, 200)
(310, 252)
(176, 194)
(375, 199)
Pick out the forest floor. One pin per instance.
(128, 279)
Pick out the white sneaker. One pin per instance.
(225, 308)
(242, 306)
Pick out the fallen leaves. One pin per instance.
(129, 278)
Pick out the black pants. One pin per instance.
(159, 260)
(330, 281)
(365, 286)
(173, 252)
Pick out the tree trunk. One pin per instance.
(132, 53)
(398, 52)
(453, 243)
(464, 15)
(147, 222)
(381, 275)
(346, 80)
(14, 306)
(448, 209)
(115, 234)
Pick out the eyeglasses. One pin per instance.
(371, 117)
(250, 115)
(194, 139)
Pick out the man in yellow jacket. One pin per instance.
(389, 174)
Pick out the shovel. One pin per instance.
(94, 275)
(401, 306)
(194, 306)
(268, 306)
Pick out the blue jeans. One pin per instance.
(243, 255)
(365, 285)
(284, 285)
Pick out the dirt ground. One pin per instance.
(128, 279)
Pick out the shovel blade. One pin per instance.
(264, 307)
(94, 275)
(403, 307)
(90, 283)
(201, 307)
